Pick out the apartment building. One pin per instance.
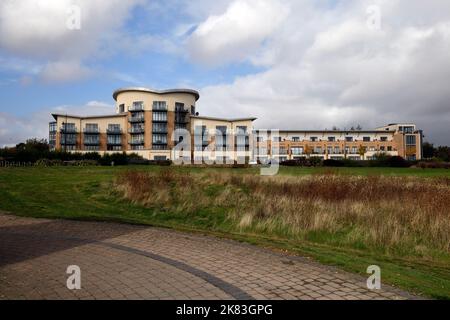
(164, 124)
(394, 139)
(156, 124)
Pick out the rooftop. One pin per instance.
(148, 90)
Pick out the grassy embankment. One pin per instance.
(349, 217)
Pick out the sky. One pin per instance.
(293, 64)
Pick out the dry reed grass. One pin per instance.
(387, 212)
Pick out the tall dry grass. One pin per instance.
(387, 212)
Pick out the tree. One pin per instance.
(443, 153)
(428, 150)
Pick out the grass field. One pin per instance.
(411, 248)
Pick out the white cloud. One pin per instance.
(37, 30)
(237, 32)
(64, 71)
(324, 67)
(15, 129)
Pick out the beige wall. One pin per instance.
(127, 98)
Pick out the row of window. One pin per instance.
(316, 139)
(157, 106)
(328, 150)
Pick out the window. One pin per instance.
(337, 150)
(160, 127)
(329, 150)
(349, 139)
(295, 139)
(221, 138)
(114, 140)
(69, 127)
(137, 106)
(354, 150)
(159, 139)
(259, 139)
(313, 139)
(297, 150)
(193, 110)
(179, 107)
(91, 127)
(410, 140)
(160, 116)
(159, 106)
(276, 139)
(121, 108)
(160, 158)
(389, 148)
(91, 148)
(382, 148)
(383, 139)
(318, 150)
(114, 128)
(52, 127)
(366, 139)
(408, 129)
(331, 139)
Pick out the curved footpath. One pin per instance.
(119, 261)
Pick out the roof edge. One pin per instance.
(148, 90)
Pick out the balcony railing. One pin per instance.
(91, 142)
(114, 131)
(68, 142)
(181, 119)
(136, 130)
(136, 108)
(136, 119)
(159, 131)
(114, 143)
(68, 130)
(91, 130)
(181, 110)
(136, 142)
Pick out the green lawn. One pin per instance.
(86, 193)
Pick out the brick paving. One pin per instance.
(120, 261)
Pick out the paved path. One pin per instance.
(133, 262)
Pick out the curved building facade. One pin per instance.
(146, 122)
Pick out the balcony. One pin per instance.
(136, 119)
(136, 108)
(68, 130)
(179, 119)
(181, 110)
(159, 131)
(136, 130)
(114, 143)
(112, 131)
(91, 142)
(91, 130)
(136, 142)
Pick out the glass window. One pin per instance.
(349, 139)
(331, 139)
(411, 140)
(121, 108)
(297, 150)
(313, 139)
(383, 138)
(159, 116)
(159, 106)
(366, 139)
(295, 139)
